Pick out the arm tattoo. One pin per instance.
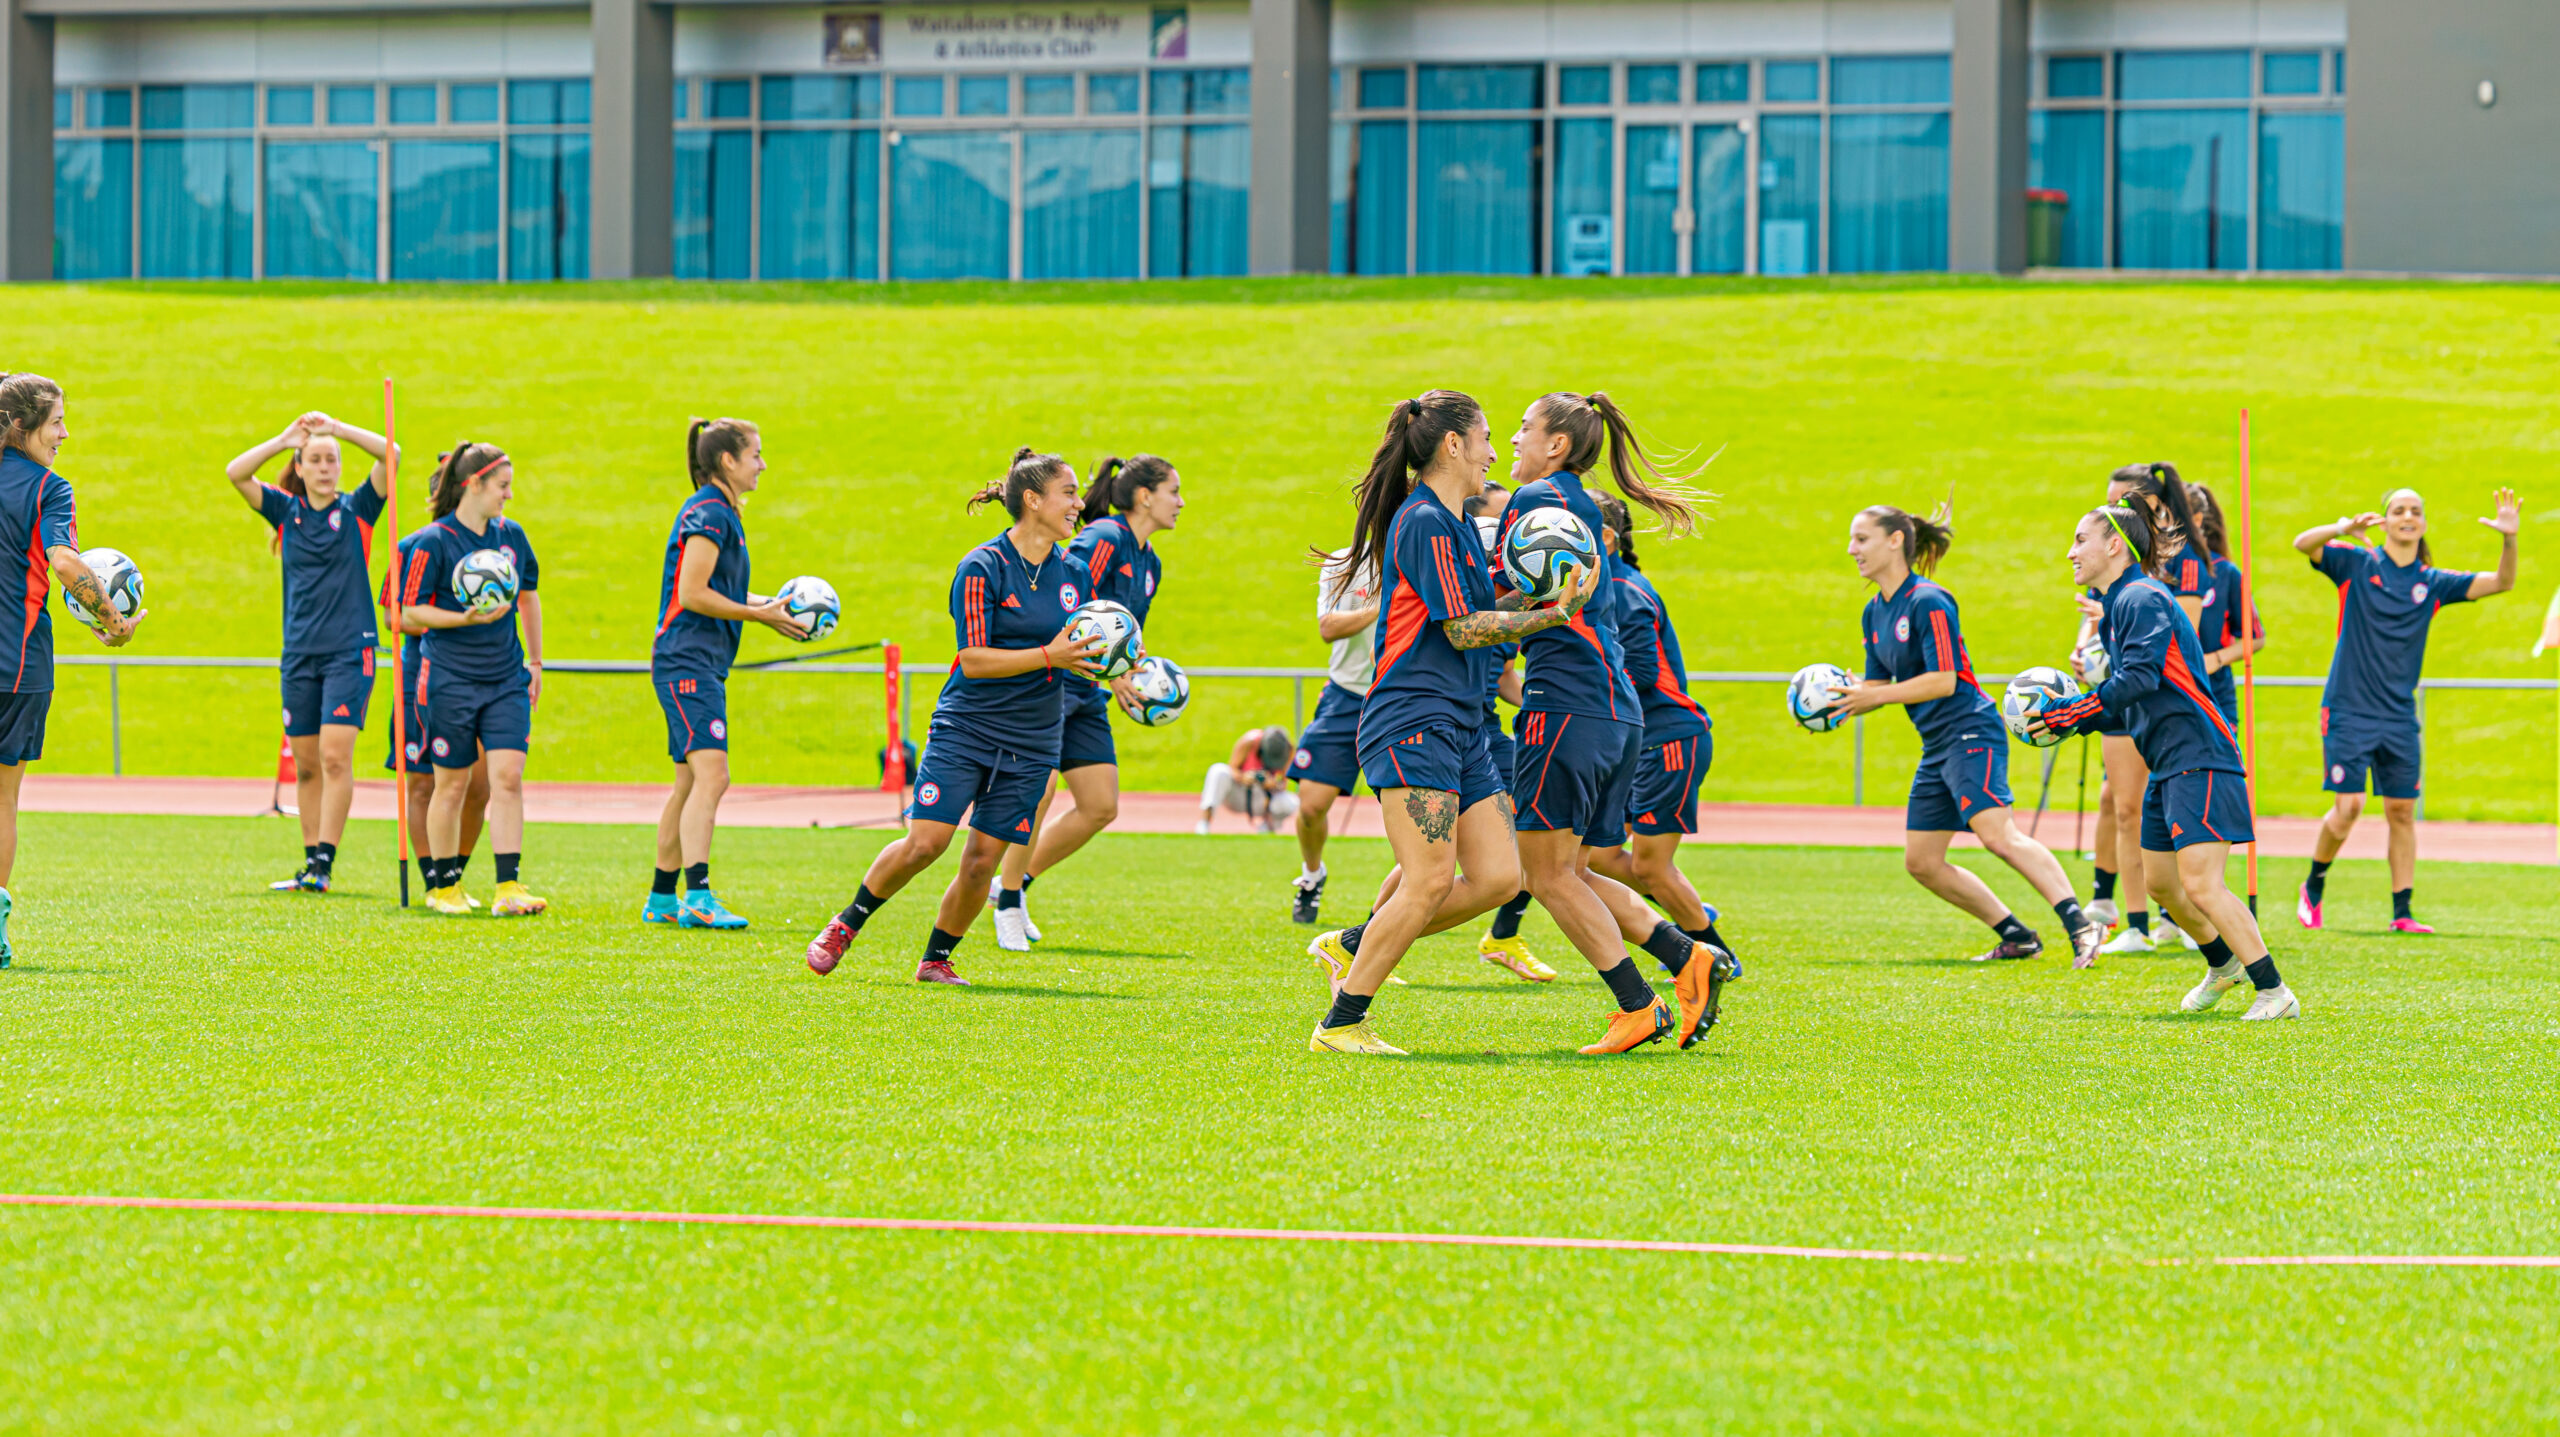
(86, 589)
(1433, 810)
(1474, 631)
(1512, 603)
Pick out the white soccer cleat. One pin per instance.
(2131, 940)
(1030, 930)
(2216, 982)
(1010, 931)
(2275, 1002)
(1200, 829)
(2104, 913)
(2167, 928)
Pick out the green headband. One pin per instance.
(2129, 546)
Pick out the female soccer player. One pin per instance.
(2197, 803)
(477, 679)
(1502, 946)
(1422, 746)
(329, 631)
(2387, 601)
(412, 729)
(995, 733)
(703, 606)
(1327, 762)
(1916, 657)
(2219, 622)
(1114, 557)
(38, 516)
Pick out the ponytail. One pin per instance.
(1414, 434)
(1115, 485)
(2172, 509)
(455, 471)
(1613, 512)
(1589, 420)
(1030, 472)
(2215, 530)
(2132, 523)
(708, 441)
(1924, 541)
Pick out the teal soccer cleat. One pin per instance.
(701, 909)
(661, 909)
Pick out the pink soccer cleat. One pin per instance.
(939, 970)
(2304, 910)
(2409, 925)
(827, 949)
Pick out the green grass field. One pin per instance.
(883, 407)
(173, 1031)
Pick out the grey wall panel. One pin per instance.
(2437, 182)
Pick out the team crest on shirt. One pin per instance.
(442, 749)
(1151, 586)
(719, 728)
(335, 519)
(2208, 596)
(929, 794)
(1067, 596)
(1902, 628)
(2417, 593)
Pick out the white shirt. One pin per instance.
(1354, 664)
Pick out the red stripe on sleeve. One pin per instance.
(1101, 562)
(1946, 642)
(417, 580)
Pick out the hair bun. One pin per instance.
(1025, 452)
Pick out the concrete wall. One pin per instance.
(2436, 181)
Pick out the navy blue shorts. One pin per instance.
(1668, 776)
(22, 726)
(465, 716)
(1503, 750)
(416, 731)
(327, 688)
(697, 708)
(1953, 788)
(1087, 739)
(998, 792)
(1574, 773)
(2392, 753)
(1441, 756)
(1329, 751)
(2201, 805)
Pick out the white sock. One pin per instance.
(1310, 877)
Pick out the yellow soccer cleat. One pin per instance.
(1332, 959)
(1514, 954)
(1351, 1038)
(1630, 1031)
(448, 901)
(514, 900)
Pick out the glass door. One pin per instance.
(1653, 199)
(1720, 198)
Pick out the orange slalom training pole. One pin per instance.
(391, 612)
(2248, 668)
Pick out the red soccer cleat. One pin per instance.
(938, 970)
(827, 949)
(2304, 910)
(2409, 925)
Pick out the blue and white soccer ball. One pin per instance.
(1544, 550)
(485, 579)
(1812, 692)
(1123, 647)
(812, 601)
(117, 575)
(2094, 666)
(1163, 690)
(2036, 691)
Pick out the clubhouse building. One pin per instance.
(387, 140)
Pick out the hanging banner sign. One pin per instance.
(940, 37)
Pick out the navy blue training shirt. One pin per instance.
(412, 646)
(1434, 570)
(2219, 627)
(2155, 681)
(326, 606)
(1001, 601)
(1654, 664)
(2384, 612)
(37, 514)
(1913, 633)
(1577, 667)
(1497, 658)
(482, 653)
(694, 644)
(1110, 563)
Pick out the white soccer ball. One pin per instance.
(1811, 693)
(1122, 645)
(2094, 665)
(1544, 550)
(485, 580)
(117, 575)
(2038, 690)
(1163, 689)
(812, 601)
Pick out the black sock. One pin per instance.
(938, 948)
(310, 851)
(1506, 921)
(426, 870)
(1028, 879)
(508, 864)
(2013, 931)
(2216, 953)
(457, 865)
(1626, 983)
(1673, 947)
(697, 876)
(1351, 937)
(2318, 883)
(1008, 899)
(1709, 936)
(2068, 910)
(859, 911)
(324, 856)
(433, 870)
(2400, 901)
(2104, 887)
(1348, 1008)
(2263, 975)
(2140, 918)
(662, 882)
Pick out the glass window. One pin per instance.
(1384, 89)
(547, 206)
(1790, 193)
(1653, 84)
(2302, 181)
(2338, 76)
(806, 97)
(986, 95)
(413, 104)
(715, 200)
(735, 99)
(911, 95)
(321, 209)
(1582, 85)
(198, 197)
(288, 104)
(1478, 87)
(1652, 200)
(110, 109)
(1111, 94)
(1791, 82)
(1473, 182)
(1583, 227)
(1080, 204)
(1196, 200)
(1719, 197)
(1889, 80)
(2294, 73)
(444, 206)
(2182, 75)
(1726, 82)
(950, 207)
(677, 106)
(351, 104)
(1888, 193)
(2182, 189)
(1380, 199)
(1338, 189)
(93, 209)
(1199, 92)
(2067, 152)
(1048, 94)
(548, 102)
(469, 105)
(198, 107)
(2075, 77)
(62, 107)
(822, 204)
